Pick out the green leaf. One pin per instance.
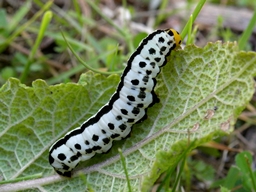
(239, 176)
(244, 163)
(203, 171)
(202, 92)
(3, 20)
(232, 179)
(223, 189)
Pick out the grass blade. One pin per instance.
(45, 22)
(247, 33)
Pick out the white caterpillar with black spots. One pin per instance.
(127, 106)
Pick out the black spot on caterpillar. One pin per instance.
(127, 106)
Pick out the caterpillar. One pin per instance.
(127, 106)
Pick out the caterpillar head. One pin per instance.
(176, 36)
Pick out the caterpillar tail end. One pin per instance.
(64, 174)
(60, 167)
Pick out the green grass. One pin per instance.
(45, 22)
(85, 46)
